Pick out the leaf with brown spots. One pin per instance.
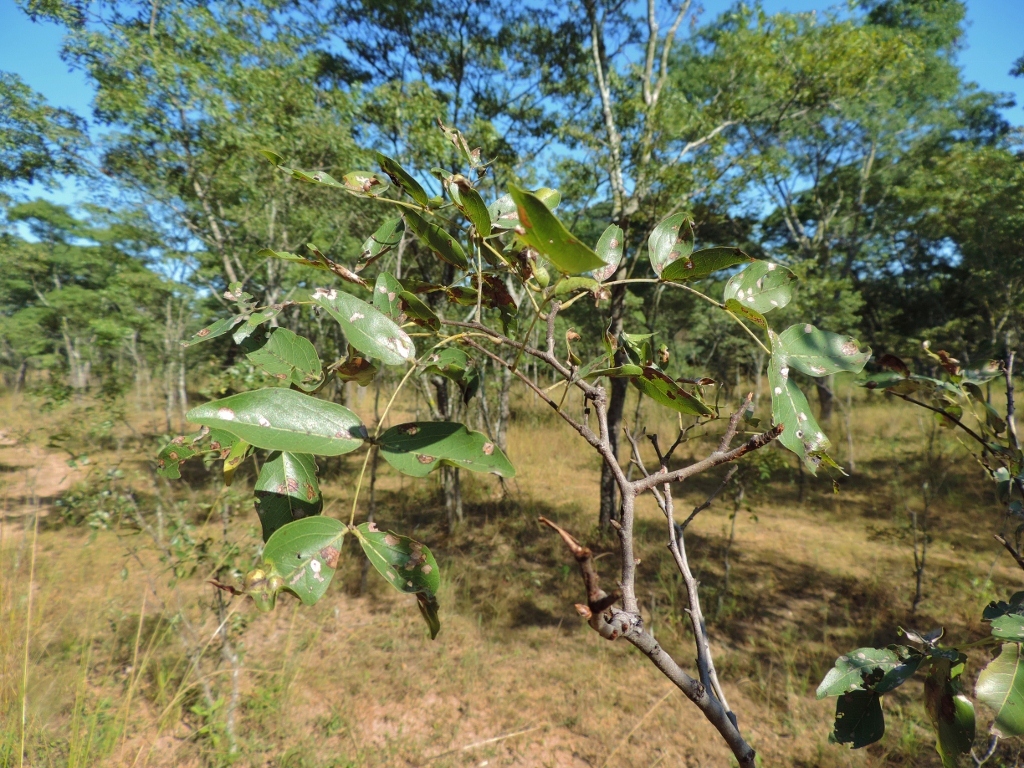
(286, 490)
(548, 235)
(406, 565)
(419, 448)
(819, 353)
(212, 443)
(300, 557)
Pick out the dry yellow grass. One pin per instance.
(514, 678)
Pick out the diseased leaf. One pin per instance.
(456, 365)
(1009, 627)
(386, 292)
(609, 250)
(671, 239)
(215, 442)
(418, 448)
(951, 713)
(1000, 686)
(214, 330)
(859, 719)
(732, 305)
(662, 389)
(545, 233)
(299, 557)
(418, 311)
(996, 609)
(468, 201)
(239, 452)
(388, 236)
(288, 357)
(279, 419)
(504, 214)
(572, 284)
(287, 490)
(700, 264)
(442, 244)
(820, 353)
(801, 433)
(877, 669)
(405, 564)
(286, 256)
(401, 178)
(362, 183)
(367, 329)
(762, 286)
(255, 320)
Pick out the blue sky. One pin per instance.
(993, 42)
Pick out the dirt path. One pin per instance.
(31, 476)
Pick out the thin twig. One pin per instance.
(625, 739)
(707, 502)
(1011, 549)
(494, 740)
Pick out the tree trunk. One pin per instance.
(616, 406)
(826, 397)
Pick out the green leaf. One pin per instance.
(762, 286)
(1001, 687)
(456, 365)
(747, 312)
(1009, 627)
(356, 368)
(273, 157)
(386, 293)
(366, 329)
(420, 447)
(571, 284)
(279, 419)
(419, 312)
(801, 433)
(996, 609)
(671, 239)
(288, 357)
(239, 452)
(617, 371)
(549, 236)
(182, 448)
(859, 719)
(662, 389)
(442, 244)
(388, 236)
(401, 178)
(300, 557)
(218, 328)
(406, 565)
(469, 202)
(287, 490)
(505, 215)
(877, 669)
(702, 263)
(255, 320)
(820, 353)
(609, 250)
(286, 256)
(951, 713)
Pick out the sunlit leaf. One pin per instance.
(279, 419)
(388, 236)
(544, 232)
(299, 557)
(367, 329)
(418, 448)
(801, 433)
(405, 564)
(609, 250)
(877, 669)
(361, 183)
(820, 353)
(213, 442)
(662, 389)
(671, 239)
(1000, 686)
(218, 328)
(747, 313)
(254, 321)
(386, 293)
(505, 215)
(761, 286)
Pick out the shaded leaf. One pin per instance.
(386, 291)
(442, 244)
(401, 178)
(505, 215)
(214, 442)
(877, 669)
(996, 609)
(420, 447)
(214, 330)
(571, 284)
(287, 490)
(255, 320)
(801, 433)
(279, 419)
(662, 389)
(545, 233)
(456, 365)
(951, 713)
(367, 329)
(287, 357)
(388, 236)
(859, 719)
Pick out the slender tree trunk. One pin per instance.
(826, 396)
(616, 407)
